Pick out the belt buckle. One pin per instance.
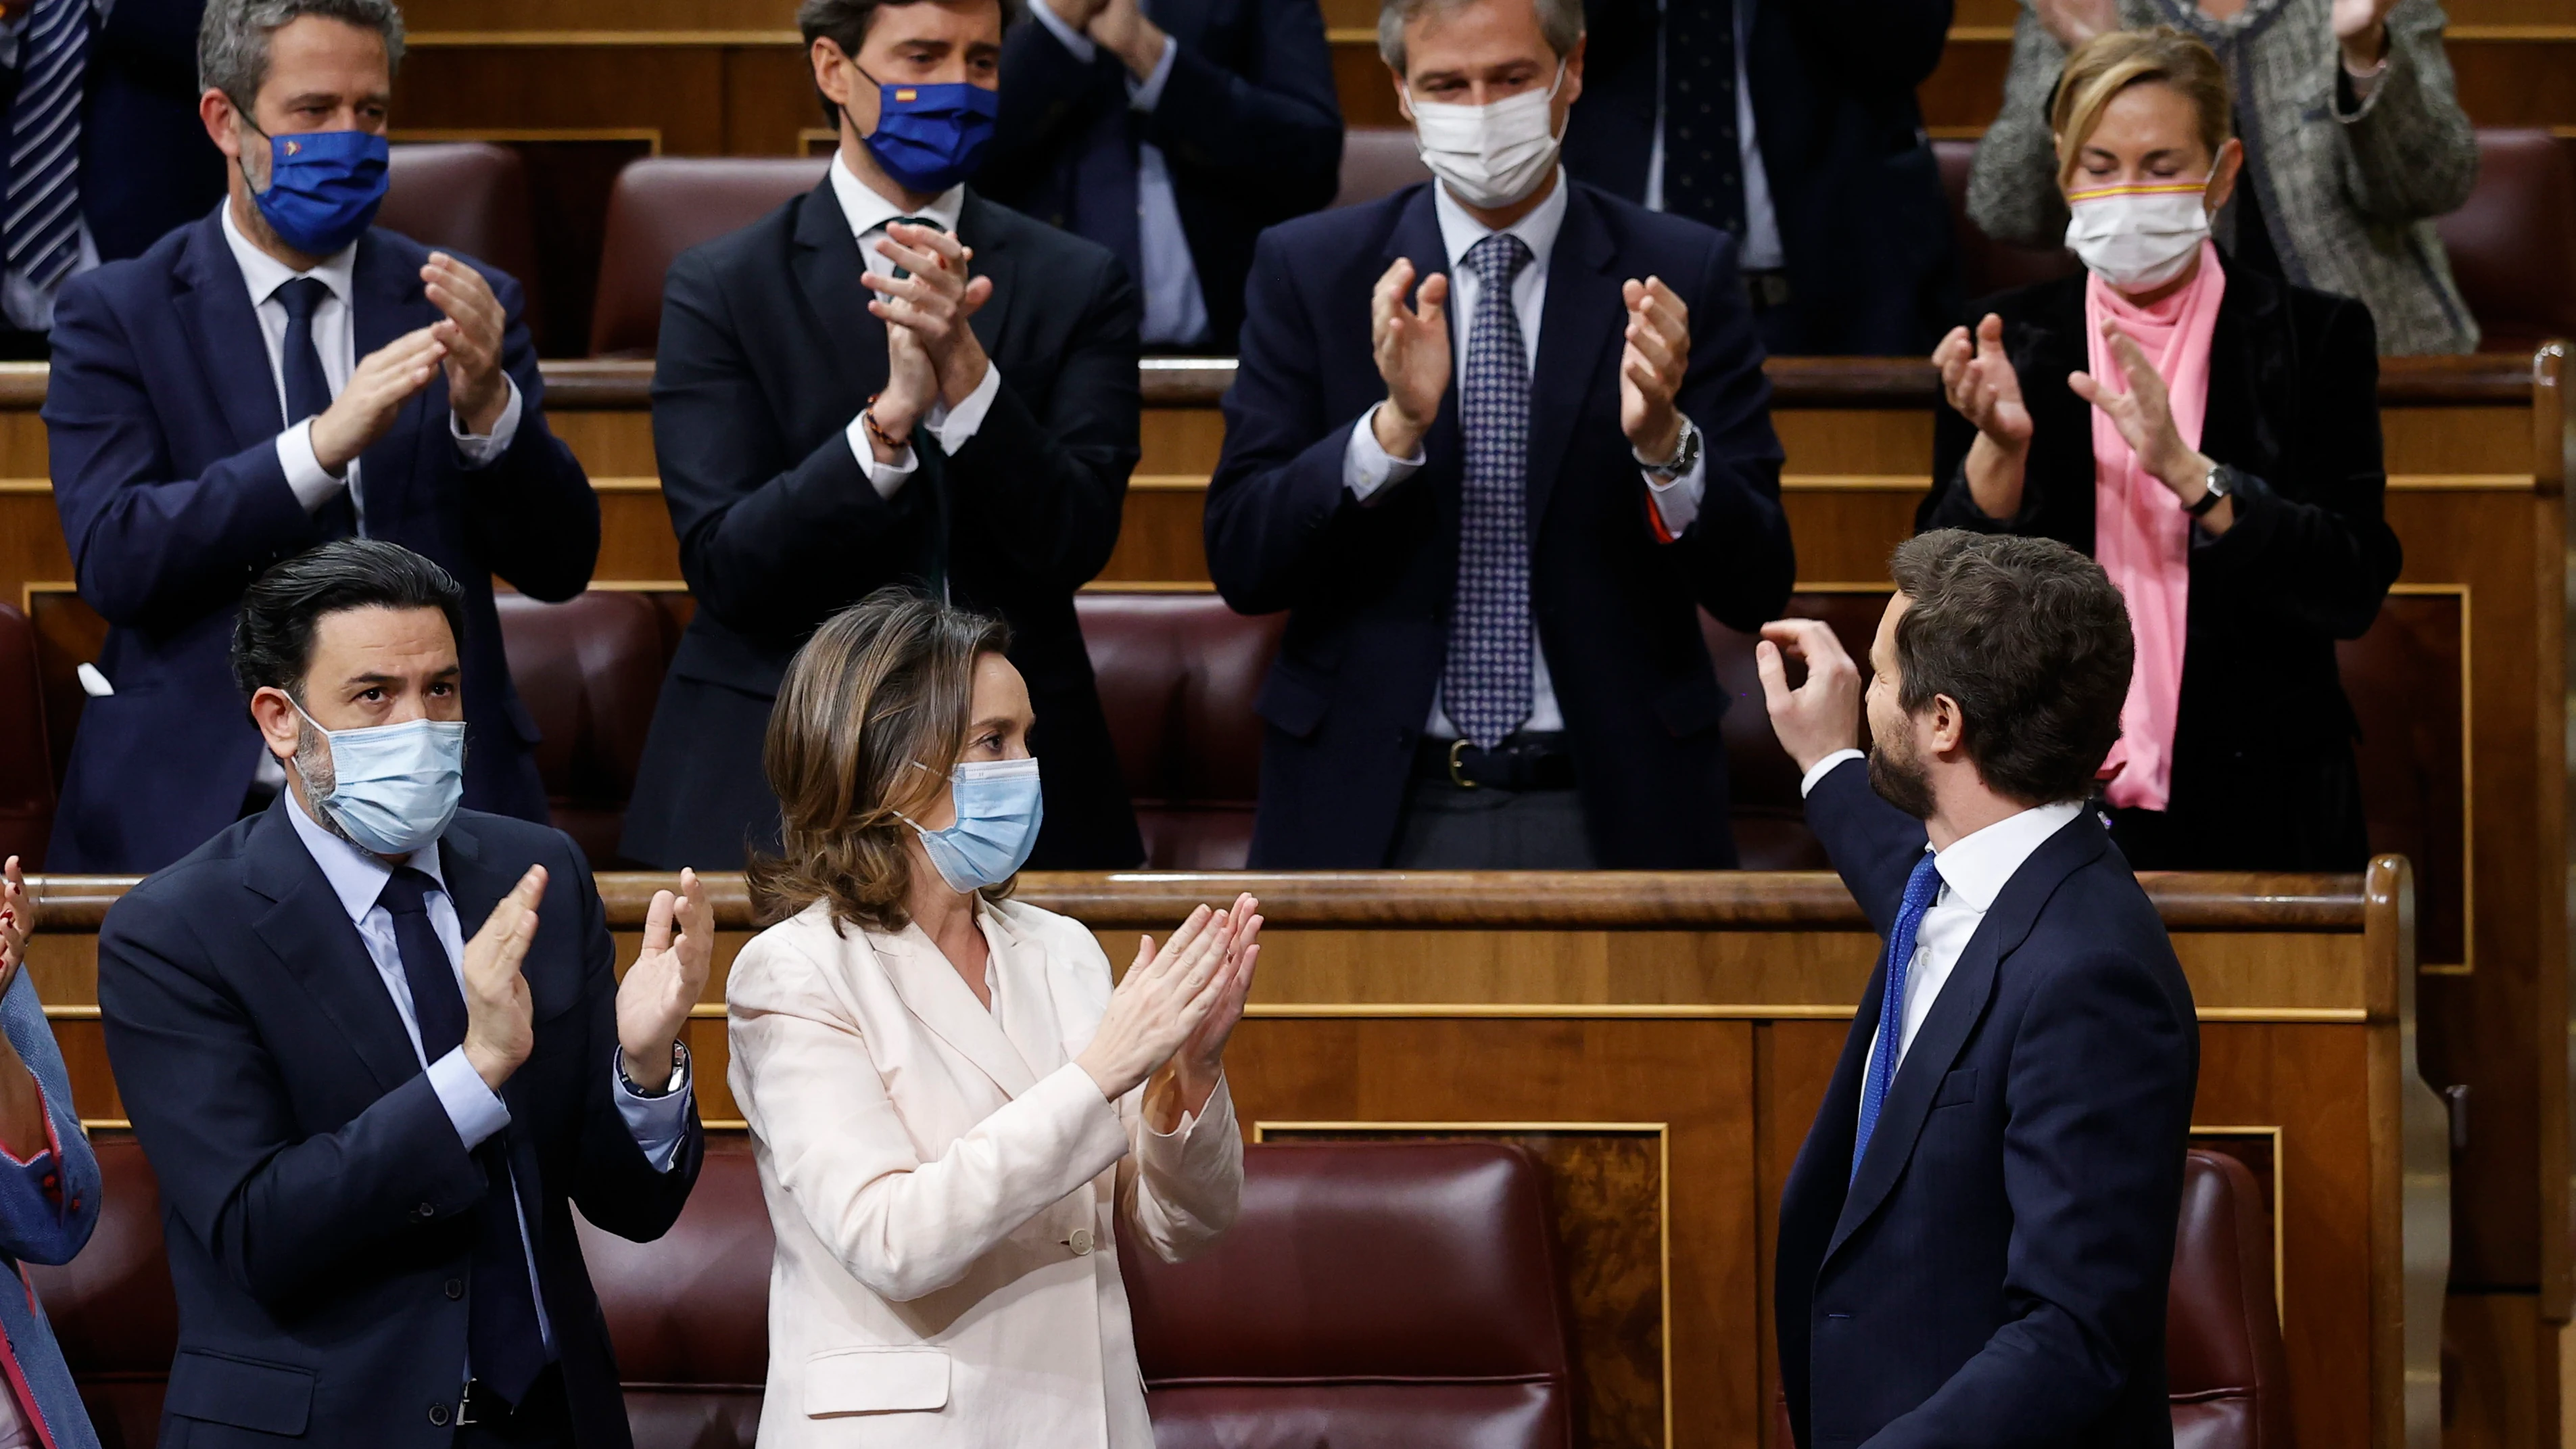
(1458, 747)
(465, 1405)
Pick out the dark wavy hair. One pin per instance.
(2032, 639)
(885, 684)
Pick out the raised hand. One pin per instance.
(17, 921)
(1121, 28)
(1651, 368)
(477, 391)
(2074, 22)
(1202, 1056)
(1823, 714)
(1411, 345)
(500, 1027)
(2361, 28)
(666, 980)
(384, 380)
(1981, 385)
(2143, 412)
(934, 303)
(1159, 1004)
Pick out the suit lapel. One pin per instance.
(1029, 1015)
(931, 988)
(1962, 1004)
(314, 939)
(1582, 316)
(224, 336)
(976, 228)
(828, 270)
(388, 299)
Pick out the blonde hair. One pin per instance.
(884, 686)
(2115, 60)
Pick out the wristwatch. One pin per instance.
(2222, 484)
(1685, 456)
(679, 1069)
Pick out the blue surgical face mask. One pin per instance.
(998, 813)
(323, 187)
(929, 138)
(393, 787)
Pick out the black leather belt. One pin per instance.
(1520, 762)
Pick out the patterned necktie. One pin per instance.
(504, 1349)
(1485, 686)
(308, 387)
(1703, 157)
(1920, 888)
(40, 234)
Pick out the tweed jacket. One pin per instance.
(2348, 185)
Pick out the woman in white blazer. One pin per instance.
(948, 1100)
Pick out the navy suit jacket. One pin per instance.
(1864, 230)
(162, 416)
(1368, 589)
(1995, 1274)
(316, 1200)
(146, 164)
(1249, 125)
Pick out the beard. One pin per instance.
(312, 767)
(1900, 780)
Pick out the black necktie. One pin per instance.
(308, 394)
(503, 1348)
(1703, 160)
(892, 222)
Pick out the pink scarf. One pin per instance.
(2141, 536)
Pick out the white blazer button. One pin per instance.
(1080, 1242)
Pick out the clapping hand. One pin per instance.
(1165, 998)
(2143, 412)
(17, 922)
(500, 1024)
(654, 1000)
(364, 411)
(1202, 1057)
(2073, 22)
(1822, 715)
(477, 390)
(1651, 368)
(2361, 28)
(934, 303)
(1411, 345)
(1981, 385)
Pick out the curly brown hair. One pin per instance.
(885, 685)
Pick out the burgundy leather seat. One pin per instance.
(665, 205)
(1769, 815)
(1987, 266)
(2513, 245)
(1371, 1294)
(1378, 161)
(1177, 675)
(112, 1308)
(466, 196)
(589, 671)
(26, 763)
(2224, 1362)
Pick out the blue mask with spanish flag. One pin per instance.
(929, 138)
(323, 187)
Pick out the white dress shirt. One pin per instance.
(1761, 251)
(1367, 469)
(477, 1112)
(869, 214)
(1175, 308)
(1974, 870)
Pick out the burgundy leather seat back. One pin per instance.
(589, 670)
(1987, 266)
(1769, 816)
(112, 1308)
(1378, 161)
(2223, 1358)
(1178, 674)
(470, 197)
(661, 207)
(27, 765)
(2513, 245)
(689, 1314)
(1371, 1294)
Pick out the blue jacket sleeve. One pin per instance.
(1276, 131)
(1742, 565)
(1872, 844)
(49, 1203)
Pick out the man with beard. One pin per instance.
(1975, 1241)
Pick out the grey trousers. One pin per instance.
(1446, 828)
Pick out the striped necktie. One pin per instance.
(40, 228)
(1920, 888)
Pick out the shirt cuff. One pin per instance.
(887, 478)
(1824, 767)
(1083, 47)
(480, 449)
(955, 427)
(656, 1123)
(474, 1108)
(311, 483)
(1144, 95)
(1677, 502)
(1367, 467)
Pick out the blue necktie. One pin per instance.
(308, 393)
(504, 1348)
(1920, 888)
(1485, 684)
(1703, 152)
(40, 232)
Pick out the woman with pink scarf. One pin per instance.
(2212, 438)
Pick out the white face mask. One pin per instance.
(1490, 156)
(2138, 237)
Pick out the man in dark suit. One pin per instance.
(370, 1128)
(1793, 125)
(1492, 657)
(1976, 1239)
(1171, 138)
(888, 380)
(238, 394)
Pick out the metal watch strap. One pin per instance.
(1685, 453)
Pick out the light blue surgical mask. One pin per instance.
(999, 810)
(393, 787)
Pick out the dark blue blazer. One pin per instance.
(316, 1200)
(1996, 1273)
(146, 164)
(1863, 227)
(1249, 125)
(1368, 589)
(162, 416)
